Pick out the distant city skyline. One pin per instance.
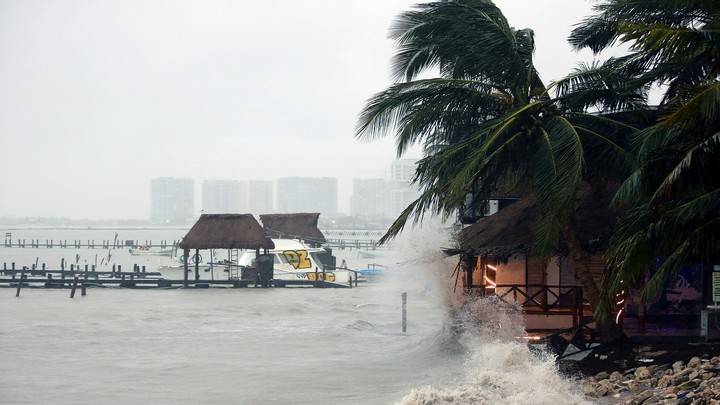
(88, 120)
(173, 199)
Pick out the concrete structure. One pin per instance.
(172, 200)
(402, 170)
(370, 199)
(260, 197)
(224, 197)
(401, 190)
(308, 194)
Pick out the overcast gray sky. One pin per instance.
(100, 96)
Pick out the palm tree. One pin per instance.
(487, 119)
(673, 197)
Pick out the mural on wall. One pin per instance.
(682, 294)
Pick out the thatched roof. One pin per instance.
(509, 231)
(302, 226)
(226, 231)
(501, 234)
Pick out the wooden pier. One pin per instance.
(342, 244)
(87, 276)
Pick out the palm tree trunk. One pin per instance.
(580, 263)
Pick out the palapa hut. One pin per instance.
(223, 231)
(303, 226)
(497, 251)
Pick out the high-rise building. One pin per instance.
(308, 194)
(370, 199)
(403, 170)
(401, 190)
(224, 197)
(172, 200)
(260, 197)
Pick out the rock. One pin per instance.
(600, 391)
(707, 375)
(606, 387)
(677, 366)
(642, 373)
(641, 397)
(664, 381)
(615, 376)
(686, 386)
(715, 360)
(632, 385)
(601, 376)
(682, 376)
(695, 374)
(589, 388)
(694, 362)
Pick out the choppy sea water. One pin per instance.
(274, 346)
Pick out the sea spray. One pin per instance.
(501, 369)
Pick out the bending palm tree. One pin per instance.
(674, 195)
(488, 120)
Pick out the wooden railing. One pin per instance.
(539, 299)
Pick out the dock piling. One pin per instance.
(404, 312)
(74, 287)
(20, 283)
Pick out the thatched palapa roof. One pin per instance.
(226, 231)
(301, 225)
(502, 234)
(509, 231)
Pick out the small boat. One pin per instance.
(293, 260)
(148, 251)
(373, 271)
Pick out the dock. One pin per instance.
(105, 244)
(42, 277)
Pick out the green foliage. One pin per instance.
(672, 199)
(487, 119)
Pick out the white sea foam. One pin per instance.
(500, 369)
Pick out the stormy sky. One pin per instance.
(97, 97)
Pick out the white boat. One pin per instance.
(148, 251)
(293, 260)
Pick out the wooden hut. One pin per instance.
(223, 231)
(303, 226)
(497, 251)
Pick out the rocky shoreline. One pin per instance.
(695, 381)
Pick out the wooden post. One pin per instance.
(196, 259)
(186, 253)
(404, 312)
(467, 264)
(20, 283)
(82, 291)
(74, 286)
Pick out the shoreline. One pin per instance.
(663, 373)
